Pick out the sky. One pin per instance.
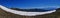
(42, 4)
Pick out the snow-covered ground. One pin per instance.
(25, 13)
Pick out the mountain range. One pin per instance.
(31, 10)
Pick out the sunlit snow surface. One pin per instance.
(25, 13)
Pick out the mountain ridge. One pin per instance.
(31, 10)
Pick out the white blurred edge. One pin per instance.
(25, 13)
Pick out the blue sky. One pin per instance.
(30, 3)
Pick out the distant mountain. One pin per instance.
(58, 9)
(31, 10)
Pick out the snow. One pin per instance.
(25, 13)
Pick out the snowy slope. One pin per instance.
(25, 13)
